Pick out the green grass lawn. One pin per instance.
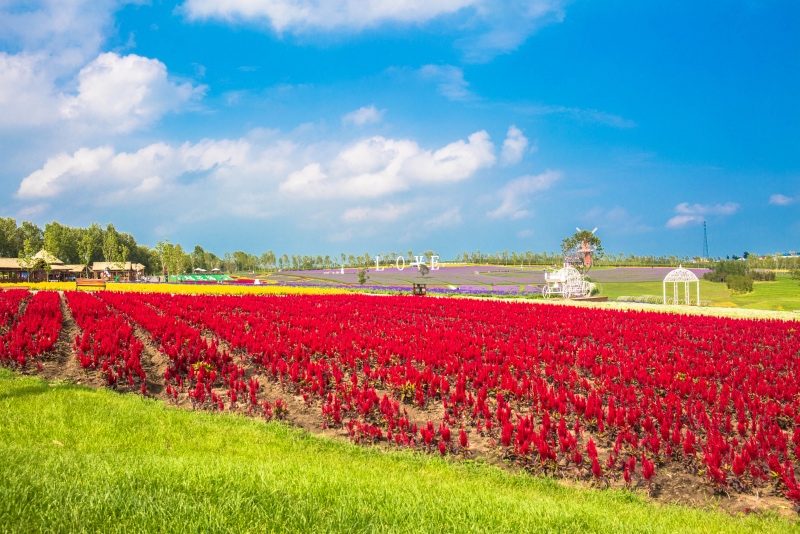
(79, 460)
(782, 294)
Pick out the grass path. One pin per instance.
(79, 460)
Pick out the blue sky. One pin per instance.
(320, 127)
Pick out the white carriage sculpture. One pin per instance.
(567, 281)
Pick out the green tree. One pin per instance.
(577, 246)
(240, 260)
(62, 242)
(163, 251)
(90, 244)
(739, 283)
(114, 248)
(725, 269)
(30, 248)
(8, 238)
(31, 233)
(268, 260)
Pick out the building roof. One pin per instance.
(115, 266)
(49, 258)
(69, 268)
(10, 263)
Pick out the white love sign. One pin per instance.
(400, 263)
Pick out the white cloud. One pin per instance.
(679, 221)
(506, 25)
(114, 93)
(514, 146)
(696, 213)
(378, 166)
(781, 200)
(110, 175)
(26, 91)
(728, 208)
(309, 178)
(449, 81)
(516, 194)
(451, 217)
(64, 170)
(583, 115)
(490, 27)
(364, 115)
(256, 176)
(616, 220)
(126, 92)
(386, 213)
(52, 74)
(69, 33)
(32, 211)
(454, 162)
(308, 15)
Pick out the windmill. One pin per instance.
(585, 250)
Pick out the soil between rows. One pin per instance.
(670, 485)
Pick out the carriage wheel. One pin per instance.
(546, 292)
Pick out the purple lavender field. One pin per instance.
(474, 277)
(447, 275)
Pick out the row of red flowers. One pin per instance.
(10, 301)
(32, 333)
(586, 392)
(106, 342)
(715, 396)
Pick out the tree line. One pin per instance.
(74, 246)
(84, 246)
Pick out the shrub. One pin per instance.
(642, 299)
(726, 269)
(362, 276)
(762, 276)
(714, 276)
(740, 284)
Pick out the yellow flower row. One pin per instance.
(189, 289)
(222, 289)
(44, 286)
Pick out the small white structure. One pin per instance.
(567, 281)
(681, 276)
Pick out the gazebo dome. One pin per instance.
(681, 275)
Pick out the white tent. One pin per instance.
(681, 276)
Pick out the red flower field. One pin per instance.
(611, 396)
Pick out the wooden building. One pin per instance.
(124, 272)
(42, 267)
(11, 271)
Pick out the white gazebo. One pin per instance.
(681, 276)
